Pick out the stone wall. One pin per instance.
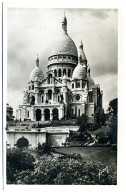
(33, 138)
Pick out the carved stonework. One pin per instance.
(26, 98)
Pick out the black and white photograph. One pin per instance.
(62, 96)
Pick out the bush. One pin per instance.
(17, 161)
(67, 170)
(102, 138)
(44, 148)
(112, 134)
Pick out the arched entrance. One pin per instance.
(22, 142)
(55, 114)
(32, 101)
(38, 115)
(47, 114)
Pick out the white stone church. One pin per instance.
(67, 91)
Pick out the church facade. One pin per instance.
(68, 91)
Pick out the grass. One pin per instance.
(99, 154)
(100, 130)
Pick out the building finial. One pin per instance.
(37, 61)
(81, 45)
(64, 24)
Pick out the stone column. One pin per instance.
(53, 97)
(81, 84)
(51, 114)
(66, 72)
(32, 114)
(45, 97)
(42, 115)
(19, 113)
(37, 138)
(61, 112)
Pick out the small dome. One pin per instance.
(64, 45)
(79, 72)
(36, 72)
(91, 82)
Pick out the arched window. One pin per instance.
(50, 78)
(59, 72)
(28, 114)
(77, 85)
(78, 112)
(77, 97)
(72, 85)
(42, 99)
(58, 98)
(72, 112)
(90, 97)
(83, 85)
(32, 100)
(64, 71)
(32, 87)
(50, 94)
(69, 72)
(55, 73)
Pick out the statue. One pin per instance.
(26, 98)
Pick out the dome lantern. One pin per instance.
(37, 61)
(64, 24)
(82, 54)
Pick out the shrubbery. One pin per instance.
(17, 161)
(44, 149)
(56, 170)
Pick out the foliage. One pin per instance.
(113, 107)
(82, 121)
(68, 169)
(112, 134)
(93, 127)
(18, 160)
(102, 138)
(77, 136)
(44, 148)
(99, 117)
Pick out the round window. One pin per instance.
(77, 97)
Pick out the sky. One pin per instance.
(32, 31)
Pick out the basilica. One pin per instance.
(67, 91)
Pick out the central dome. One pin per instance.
(64, 45)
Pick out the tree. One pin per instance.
(112, 134)
(82, 121)
(113, 107)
